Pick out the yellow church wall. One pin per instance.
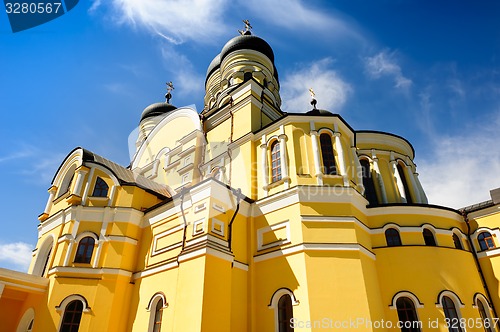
(340, 275)
(217, 305)
(429, 271)
(240, 306)
(187, 310)
(491, 271)
(271, 275)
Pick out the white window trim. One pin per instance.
(151, 308)
(28, 316)
(273, 304)
(41, 257)
(411, 296)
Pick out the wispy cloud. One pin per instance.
(24, 151)
(330, 89)
(463, 168)
(297, 15)
(187, 80)
(16, 255)
(175, 21)
(385, 64)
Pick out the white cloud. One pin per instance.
(186, 80)
(176, 21)
(17, 255)
(296, 15)
(463, 168)
(384, 64)
(331, 91)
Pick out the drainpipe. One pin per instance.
(183, 192)
(478, 266)
(230, 227)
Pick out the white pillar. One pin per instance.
(264, 167)
(80, 173)
(416, 191)
(340, 153)
(283, 159)
(423, 197)
(48, 206)
(317, 164)
(69, 252)
(379, 178)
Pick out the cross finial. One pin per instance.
(168, 95)
(248, 27)
(313, 100)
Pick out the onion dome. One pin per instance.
(247, 41)
(157, 109)
(319, 112)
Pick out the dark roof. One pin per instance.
(478, 206)
(124, 175)
(316, 111)
(247, 42)
(157, 109)
(214, 65)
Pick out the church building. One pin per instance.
(247, 218)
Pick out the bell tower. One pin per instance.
(241, 97)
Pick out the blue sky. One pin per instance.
(426, 70)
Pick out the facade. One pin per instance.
(246, 218)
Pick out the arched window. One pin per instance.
(407, 315)
(158, 316)
(155, 307)
(450, 311)
(101, 188)
(85, 250)
(485, 241)
(329, 166)
(406, 193)
(27, 321)
(429, 238)
(275, 162)
(72, 317)
(30, 326)
(392, 237)
(370, 193)
(46, 263)
(285, 313)
(43, 257)
(487, 322)
(457, 242)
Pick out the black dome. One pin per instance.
(319, 112)
(215, 64)
(157, 109)
(247, 42)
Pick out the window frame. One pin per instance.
(61, 308)
(486, 242)
(400, 167)
(275, 161)
(101, 188)
(395, 235)
(153, 308)
(412, 309)
(85, 258)
(328, 162)
(429, 237)
(367, 179)
(481, 302)
(457, 242)
(450, 308)
(274, 302)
